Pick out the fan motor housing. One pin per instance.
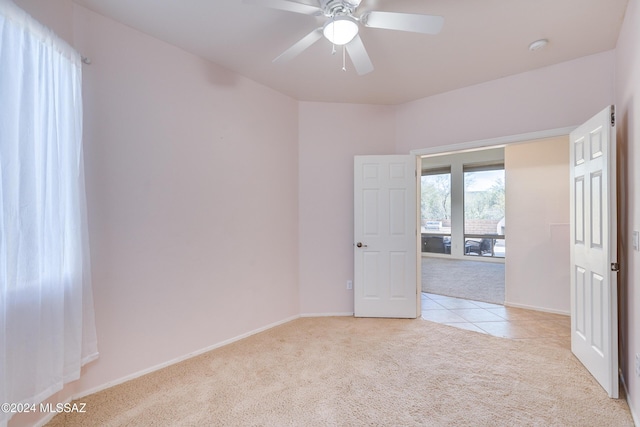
(339, 7)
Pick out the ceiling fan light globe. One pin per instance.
(340, 30)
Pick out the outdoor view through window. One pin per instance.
(436, 211)
(482, 210)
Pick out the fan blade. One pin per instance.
(359, 56)
(289, 6)
(426, 24)
(301, 45)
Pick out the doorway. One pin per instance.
(462, 221)
(591, 293)
(537, 217)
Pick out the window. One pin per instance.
(47, 330)
(436, 210)
(484, 210)
(463, 205)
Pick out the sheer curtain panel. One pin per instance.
(47, 329)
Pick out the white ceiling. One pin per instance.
(481, 40)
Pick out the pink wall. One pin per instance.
(330, 135)
(628, 113)
(192, 175)
(192, 189)
(553, 97)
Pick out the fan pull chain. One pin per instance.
(333, 49)
(344, 58)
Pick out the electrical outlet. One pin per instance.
(637, 365)
(349, 284)
(636, 241)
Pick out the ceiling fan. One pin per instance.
(342, 25)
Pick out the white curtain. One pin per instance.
(47, 329)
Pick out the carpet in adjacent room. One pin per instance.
(467, 279)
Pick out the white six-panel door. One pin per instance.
(385, 239)
(594, 315)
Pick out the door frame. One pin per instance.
(493, 142)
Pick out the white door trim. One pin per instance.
(494, 142)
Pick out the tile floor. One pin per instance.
(497, 320)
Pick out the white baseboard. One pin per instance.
(44, 421)
(636, 419)
(179, 359)
(347, 314)
(530, 307)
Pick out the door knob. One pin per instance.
(360, 245)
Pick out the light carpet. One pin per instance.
(474, 280)
(345, 371)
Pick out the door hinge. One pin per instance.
(613, 116)
(615, 266)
